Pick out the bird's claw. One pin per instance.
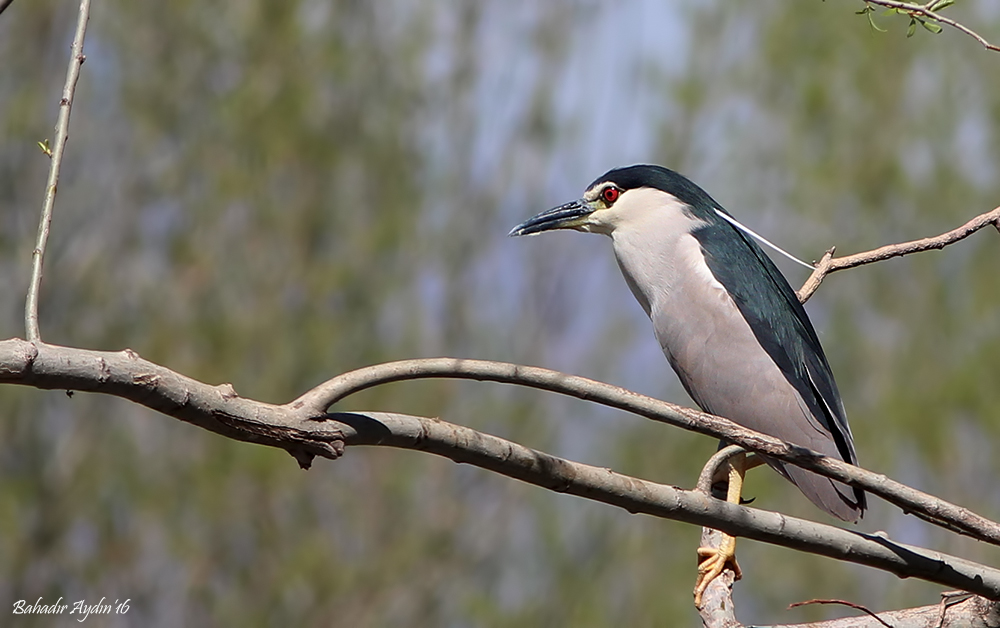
(712, 562)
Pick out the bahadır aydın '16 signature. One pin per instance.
(80, 608)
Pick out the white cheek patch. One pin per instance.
(648, 209)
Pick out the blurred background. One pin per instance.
(272, 193)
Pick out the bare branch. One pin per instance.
(968, 612)
(817, 276)
(4, 4)
(713, 466)
(62, 135)
(957, 609)
(926, 11)
(124, 374)
(856, 607)
(926, 506)
(831, 264)
(307, 434)
(462, 444)
(717, 609)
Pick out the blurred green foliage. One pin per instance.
(270, 193)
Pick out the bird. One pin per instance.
(728, 322)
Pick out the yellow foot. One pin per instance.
(712, 562)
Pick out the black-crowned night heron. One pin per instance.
(727, 320)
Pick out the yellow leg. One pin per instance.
(713, 560)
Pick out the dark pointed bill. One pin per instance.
(563, 217)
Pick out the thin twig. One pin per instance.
(830, 264)
(4, 4)
(62, 134)
(925, 11)
(857, 607)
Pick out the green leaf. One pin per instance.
(912, 28)
(871, 22)
(931, 26)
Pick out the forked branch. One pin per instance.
(306, 434)
(830, 264)
(931, 508)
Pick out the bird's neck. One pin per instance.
(659, 260)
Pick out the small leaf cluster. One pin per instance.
(917, 15)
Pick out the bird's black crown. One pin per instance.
(666, 180)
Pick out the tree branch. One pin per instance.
(856, 607)
(969, 611)
(957, 609)
(830, 264)
(62, 135)
(465, 445)
(933, 509)
(305, 433)
(717, 609)
(927, 11)
(124, 374)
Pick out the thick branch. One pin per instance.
(965, 612)
(830, 264)
(62, 134)
(717, 609)
(935, 510)
(306, 434)
(956, 610)
(124, 374)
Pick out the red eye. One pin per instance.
(610, 194)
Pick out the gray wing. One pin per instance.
(781, 327)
